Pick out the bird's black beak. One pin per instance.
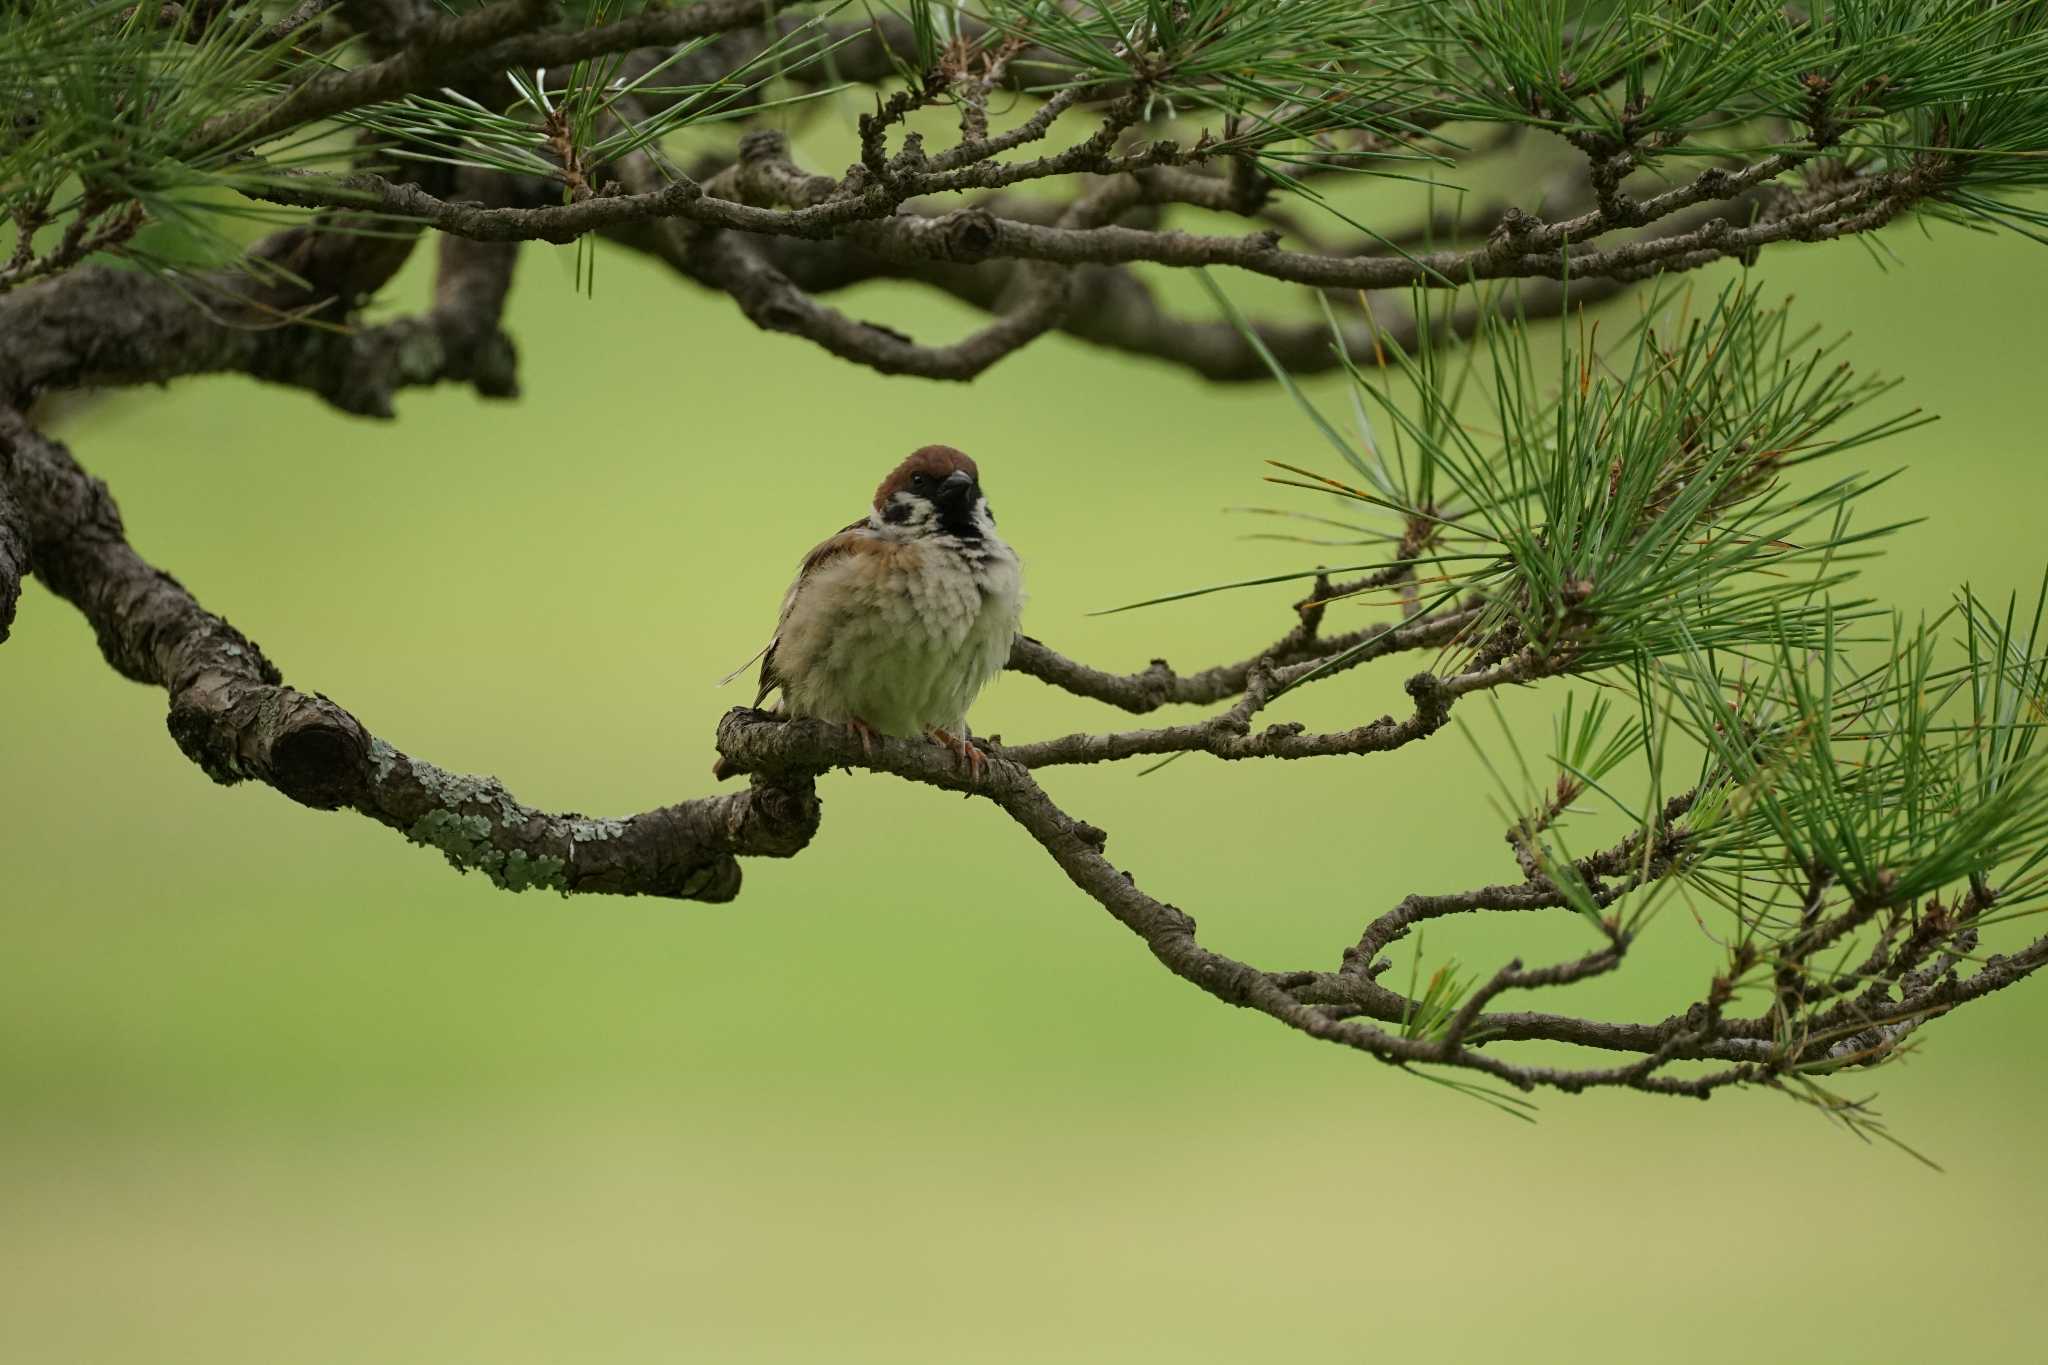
(957, 490)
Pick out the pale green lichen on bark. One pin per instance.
(466, 842)
(585, 830)
(468, 817)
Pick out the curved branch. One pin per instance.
(282, 318)
(1116, 308)
(1521, 248)
(231, 714)
(1158, 685)
(1228, 736)
(736, 265)
(14, 560)
(1329, 1006)
(755, 742)
(774, 303)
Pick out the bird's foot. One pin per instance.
(969, 752)
(866, 733)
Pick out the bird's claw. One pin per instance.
(970, 753)
(866, 733)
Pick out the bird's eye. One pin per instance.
(920, 482)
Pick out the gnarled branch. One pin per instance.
(14, 560)
(232, 714)
(100, 326)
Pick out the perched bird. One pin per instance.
(895, 624)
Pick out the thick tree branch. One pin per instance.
(14, 560)
(282, 318)
(231, 713)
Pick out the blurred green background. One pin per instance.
(278, 1086)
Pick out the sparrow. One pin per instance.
(894, 625)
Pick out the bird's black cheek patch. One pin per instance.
(897, 512)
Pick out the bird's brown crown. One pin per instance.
(935, 461)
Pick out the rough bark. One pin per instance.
(232, 714)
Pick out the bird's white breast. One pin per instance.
(901, 635)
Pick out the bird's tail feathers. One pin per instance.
(752, 659)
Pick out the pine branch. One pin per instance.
(14, 559)
(232, 715)
(282, 318)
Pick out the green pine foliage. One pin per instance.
(110, 102)
(1662, 518)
